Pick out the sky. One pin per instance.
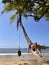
(10, 37)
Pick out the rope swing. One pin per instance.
(19, 51)
(18, 24)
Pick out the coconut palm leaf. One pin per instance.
(8, 7)
(36, 18)
(13, 17)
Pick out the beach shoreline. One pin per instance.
(17, 53)
(24, 56)
(24, 59)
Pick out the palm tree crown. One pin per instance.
(27, 8)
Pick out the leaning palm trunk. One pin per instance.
(36, 53)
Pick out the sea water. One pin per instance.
(23, 50)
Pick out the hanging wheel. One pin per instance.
(19, 52)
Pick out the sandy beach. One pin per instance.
(24, 59)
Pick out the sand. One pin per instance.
(24, 59)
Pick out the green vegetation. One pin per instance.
(33, 8)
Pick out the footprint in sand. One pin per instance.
(26, 64)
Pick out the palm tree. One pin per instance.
(24, 8)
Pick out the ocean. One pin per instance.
(23, 50)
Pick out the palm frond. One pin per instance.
(8, 7)
(12, 18)
(36, 18)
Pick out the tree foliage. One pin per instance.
(39, 8)
(42, 10)
(19, 5)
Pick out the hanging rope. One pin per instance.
(19, 38)
(19, 51)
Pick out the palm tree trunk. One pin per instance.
(35, 53)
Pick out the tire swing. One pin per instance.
(19, 51)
